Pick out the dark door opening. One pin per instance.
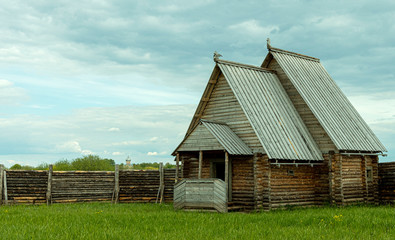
(219, 170)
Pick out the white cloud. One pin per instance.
(153, 139)
(113, 129)
(334, 22)
(254, 28)
(87, 152)
(157, 154)
(117, 153)
(9, 94)
(128, 143)
(70, 146)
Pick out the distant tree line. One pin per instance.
(90, 163)
(146, 166)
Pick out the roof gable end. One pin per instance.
(336, 114)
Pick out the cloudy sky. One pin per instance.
(119, 78)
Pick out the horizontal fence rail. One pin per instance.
(387, 182)
(201, 194)
(124, 186)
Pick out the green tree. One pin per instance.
(16, 167)
(93, 163)
(21, 167)
(62, 165)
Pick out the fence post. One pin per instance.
(1, 183)
(161, 184)
(5, 188)
(116, 184)
(49, 189)
(177, 166)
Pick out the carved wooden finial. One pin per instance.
(268, 43)
(216, 56)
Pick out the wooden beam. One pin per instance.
(49, 188)
(162, 181)
(269, 186)
(200, 164)
(364, 162)
(182, 167)
(341, 180)
(1, 183)
(116, 184)
(159, 196)
(227, 174)
(331, 177)
(230, 180)
(177, 166)
(254, 170)
(5, 188)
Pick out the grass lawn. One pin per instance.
(150, 221)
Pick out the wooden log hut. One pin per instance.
(282, 134)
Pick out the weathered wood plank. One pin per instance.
(49, 189)
(1, 183)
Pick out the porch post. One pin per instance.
(227, 175)
(200, 164)
(177, 166)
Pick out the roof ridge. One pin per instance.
(294, 54)
(244, 65)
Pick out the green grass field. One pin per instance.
(150, 221)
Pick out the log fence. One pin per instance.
(123, 186)
(119, 186)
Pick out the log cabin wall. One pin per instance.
(322, 182)
(387, 182)
(316, 130)
(243, 185)
(351, 181)
(262, 181)
(373, 185)
(301, 185)
(190, 166)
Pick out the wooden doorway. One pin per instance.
(218, 170)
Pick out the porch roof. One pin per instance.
(227, 138)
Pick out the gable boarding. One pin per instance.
(224, 107)
(200, 139)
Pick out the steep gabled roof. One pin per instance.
(269, 110)
(328, 103)
(274, 119)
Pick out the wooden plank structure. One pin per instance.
(1, 183)
(282, 134)
(387, 182)
(47, 187)
(201, 194)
